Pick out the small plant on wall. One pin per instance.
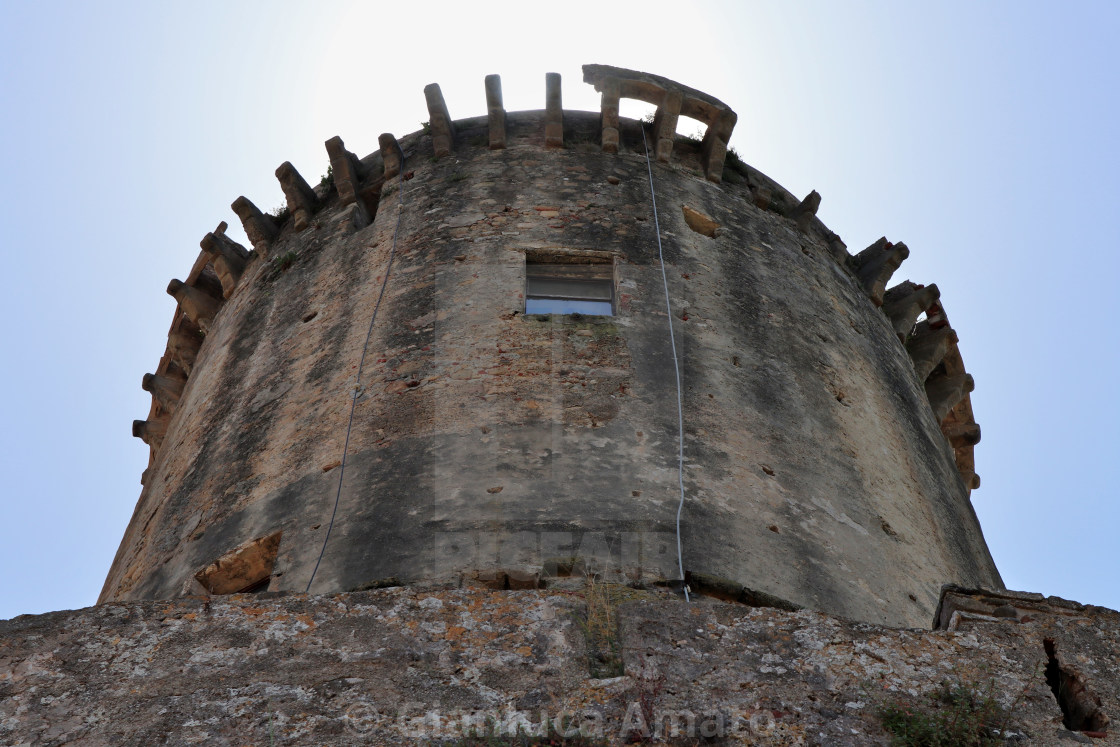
(956, 715)
(285, 260)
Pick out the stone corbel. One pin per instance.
(347, 175)
(390, 155)
(495, 112)
(928, 349)
(227, 257)
(713, 149)
(183, 345)
(875, 265)
(806, 210)
(905, 302)
(199, 307)
(665, 124)
(946, 392)
(151, 432)
(301, 198)
(961, 435)
(164, 389)
(553, 112)
(440, 126)
(260, 228)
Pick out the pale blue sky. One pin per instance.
(984, 135)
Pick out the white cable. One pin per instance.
(357, 390)
(676, 366)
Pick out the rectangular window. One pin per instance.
(569, 283)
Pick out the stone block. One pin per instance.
(227, 257)
(245, 566)
(301, 198)
(199, 307)
(260, 228)
(665, 124)
(553, 112)
(714, 155)
(699, 222)
(441, 127)
(608, 115)
(495, 112)
(713, 149)
(610, 140)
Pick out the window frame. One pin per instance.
(571, 266)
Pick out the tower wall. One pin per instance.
(823, 465)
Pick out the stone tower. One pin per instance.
(466, 357)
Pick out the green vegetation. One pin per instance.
(279, 214)
(957, 715)
(735, 160)
(327, 178)
(285, 260)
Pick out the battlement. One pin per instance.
(358, 184)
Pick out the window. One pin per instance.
(559, 282)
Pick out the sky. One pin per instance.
(982, 134)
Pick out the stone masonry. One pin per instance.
(828, 430)
(414, 666)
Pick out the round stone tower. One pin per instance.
(456, 360)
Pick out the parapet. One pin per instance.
(931, 344)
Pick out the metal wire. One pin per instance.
(676, 365)
(361, 364)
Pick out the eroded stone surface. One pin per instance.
(408, 666)
(786, 367)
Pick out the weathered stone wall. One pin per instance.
(515, 447)
(410, 666)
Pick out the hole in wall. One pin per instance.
(244, 570)
(699, 222)
(1081, 709)
(308, 317)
